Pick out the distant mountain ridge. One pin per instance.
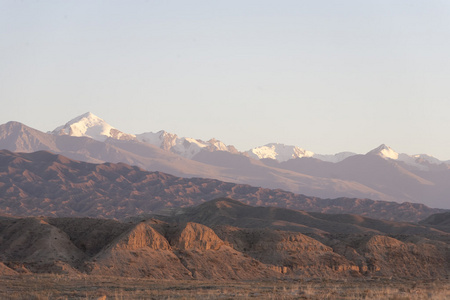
(219, 165)
(281, 153)
(42, 183)
(89, 125)
(381, 174)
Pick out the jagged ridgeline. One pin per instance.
(380, 174)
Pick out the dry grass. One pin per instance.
(101, 287)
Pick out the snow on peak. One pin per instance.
(384, 151)
(161, 139)
(89, 125)
(186, 147)
(279, 152)
(420, 161)
(420, 158)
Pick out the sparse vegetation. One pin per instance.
(102, 287)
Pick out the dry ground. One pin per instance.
(102, 287)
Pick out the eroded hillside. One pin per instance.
(225, 239)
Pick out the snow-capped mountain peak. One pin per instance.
(186, 147)
(279, 152)
(420, 161)
(89, 125)
(426, 158)
(161, 139)
(384, 151)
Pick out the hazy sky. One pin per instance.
(327, 76)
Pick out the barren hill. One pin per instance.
(439, 221)
(225, 239)
(42, 183)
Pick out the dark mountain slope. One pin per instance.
(439, 221)
(42, 183)
(230, 212)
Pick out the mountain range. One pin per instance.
(380, 174)
(46, 184)
(89, 125)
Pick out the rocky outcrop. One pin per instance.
(379, 255)
(197, 237)
(194, 251)
(5, 271)
(142, 236)
(141, 251)
(198, 246)
(289, 253)
(391, 257)
(254, 243)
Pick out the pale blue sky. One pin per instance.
(327, 76)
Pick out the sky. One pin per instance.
(327, 76)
